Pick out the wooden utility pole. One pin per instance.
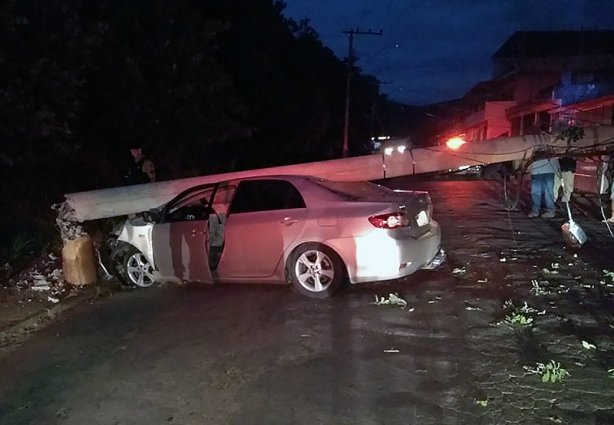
(350, 63)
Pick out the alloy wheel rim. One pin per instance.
(314, 271)
(139, 270)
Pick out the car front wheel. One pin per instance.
(315, 270)
(137, 270)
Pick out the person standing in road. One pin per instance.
(565, 178)
(609, 160)
(542, 185)
(611, 219)
(142, 168)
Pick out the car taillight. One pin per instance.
(390, 221)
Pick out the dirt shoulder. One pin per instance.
(35, 296)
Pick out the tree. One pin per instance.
(209, 86)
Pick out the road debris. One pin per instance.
(393, 299)
(458, 270)
(588, 346)
(44, 278)
(482, 403)
(38, 286)
(537, 289)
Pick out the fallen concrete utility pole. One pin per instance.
(118, 201)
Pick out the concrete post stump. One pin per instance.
(79, 261)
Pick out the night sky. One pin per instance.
(444, 46)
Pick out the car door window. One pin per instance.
(192, 206)
(265, 195)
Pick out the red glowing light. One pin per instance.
(455, 142)
(390, 221)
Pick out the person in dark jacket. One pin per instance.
(142, 168)
(565, 178)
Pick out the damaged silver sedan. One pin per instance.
(313, 233)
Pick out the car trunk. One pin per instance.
(417, 206)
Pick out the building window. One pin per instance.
(544, 121)
(528, 124)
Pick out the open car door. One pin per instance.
(181, 237)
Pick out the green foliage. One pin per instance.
(571, 134)
(518, 319)
(519, 316)
(21, 246)
(393, 299)
(482, 403)
(18, 250)
(549, 372)
(207, 86)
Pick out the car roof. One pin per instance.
(280, 176)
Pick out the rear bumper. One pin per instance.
(437, 261)
(377, 256)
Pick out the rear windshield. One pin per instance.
(352, 189)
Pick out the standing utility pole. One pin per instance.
(346, 128)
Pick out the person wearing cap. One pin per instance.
(142, 168)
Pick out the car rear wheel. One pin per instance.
(137, 270)
(315, 270)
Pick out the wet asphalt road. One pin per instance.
(266, 355)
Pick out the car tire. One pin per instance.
(315, 270)
(136, 270)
